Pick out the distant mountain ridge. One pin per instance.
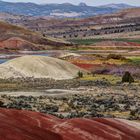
(59, 10)
(118, 6)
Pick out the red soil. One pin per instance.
(133, 44)
(26, 125)
(16, 43)
(92, 67)
(85, 66)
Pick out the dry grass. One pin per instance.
(111, 78)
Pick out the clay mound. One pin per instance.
(39, 67)
(26, 125)
(16, 43)
(86, 66)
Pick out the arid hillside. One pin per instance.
(18, 38)
(17, 43)
(129, 13)
(22, 125)
(125, 21)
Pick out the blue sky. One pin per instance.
(89, 2)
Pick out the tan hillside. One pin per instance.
(39, 67)
(131, 13)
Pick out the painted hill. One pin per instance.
(26, 125)
(18, 38)
(16, 43)
(39, 67)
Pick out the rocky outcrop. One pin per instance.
(26, 125)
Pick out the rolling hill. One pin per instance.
(18, 38)
(39, 67)
(120, 24)
(27, 125)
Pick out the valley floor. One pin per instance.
(95, 100)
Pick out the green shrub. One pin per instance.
(80, 74)
(115, 56)
(127, 77)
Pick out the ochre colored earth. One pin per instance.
(26, 125)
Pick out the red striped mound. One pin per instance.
(87, 66)
(26, 125)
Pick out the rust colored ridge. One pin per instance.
(86, 66)
(133, 44)
(21, 37)
(16, 43)
(27, 125)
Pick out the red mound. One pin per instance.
(133, 44)
(94, 67)
(16, 43)
(85, 66)
(25, 125)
